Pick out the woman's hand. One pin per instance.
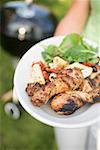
(75, 19)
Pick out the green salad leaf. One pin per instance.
(51, 50)
(47, 57)
(70, 40)
(72, 49)
(79, 54)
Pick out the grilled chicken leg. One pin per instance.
(67, 103)
(70, 79)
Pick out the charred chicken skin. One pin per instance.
(67, 103)
(48, 91)
(88, 85)
(70, 79)
(68, 92)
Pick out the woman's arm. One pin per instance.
(75, 19)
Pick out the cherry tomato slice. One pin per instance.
(46, 75)
(53, 70)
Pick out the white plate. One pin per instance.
(83, 117)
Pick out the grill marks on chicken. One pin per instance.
(88, 85)
(70, 101)
(67, 93)
(47, 91)
(67, 103)
(95, 95)
(70, 79)
(32, 88)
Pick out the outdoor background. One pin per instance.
(25, 133)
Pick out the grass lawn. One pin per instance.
(25, 133)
